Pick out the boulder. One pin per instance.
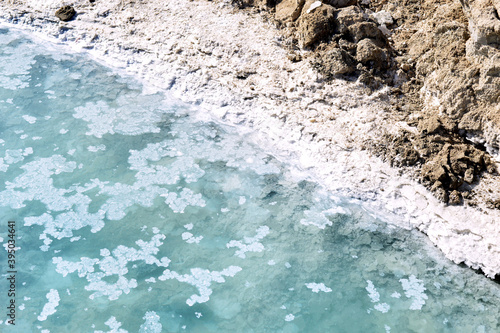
(346, 17)
(455, 198)
(336, 61)
(315, 25)
(65, 13)
(289, 10)
(365, 29)
(367, 51)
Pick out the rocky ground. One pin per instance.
(348, 88)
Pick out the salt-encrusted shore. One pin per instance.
(232, 64)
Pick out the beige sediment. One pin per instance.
(233, 64)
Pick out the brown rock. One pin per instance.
(367, 51)
(65, 13)
(455, 198)
(430, 125)
(346, 17)
(469, 176)
(334, 62)
(316, 25)
(364, 30)
(289, 10)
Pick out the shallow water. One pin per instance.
(132, 215)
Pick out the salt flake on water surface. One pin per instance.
(250, 244)
(317, 287)
(414, 288)
(152, 323)
(50, 307)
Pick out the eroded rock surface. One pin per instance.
(65, 13)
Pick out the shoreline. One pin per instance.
(245, 79)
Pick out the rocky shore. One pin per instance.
(397, 106)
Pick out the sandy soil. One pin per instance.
(236, 66)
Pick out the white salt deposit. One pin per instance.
(313, 6)
(317, 287)
(114, 326)
(250, 244)
(372, 292)
(152, 323)
(50, 307)
(201, 279)
(414, 289)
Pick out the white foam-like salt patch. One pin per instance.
(97, 148)
(317, 287)
(317, 219)
(179, 202)
(188, 226)
(372, 292)
(271, 262)
(382, 307)
(189, 238)
(63, 131)
(15, 66)
(202, 280)
(36, 183)
(152, 323)
(242, 200)
(114, 326)
(126, 119)
(71, 152)
(29, 119)
(113, 263)
(224, 210)
(289, 317)
(395, 295)
(414, 289)
(50, 307)
(3, 167)
(35, 138)
(250, 244)
(198, 315)
(13, 156)
(24, 136)
(320, 219)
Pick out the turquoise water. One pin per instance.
(134, 216)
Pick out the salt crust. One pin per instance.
(250, 244)
(286, 101)
(114, 326)
(201, 279)
(317, 287)
(152, 323)
(414, 289)
(113, 263)
(50, 307)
